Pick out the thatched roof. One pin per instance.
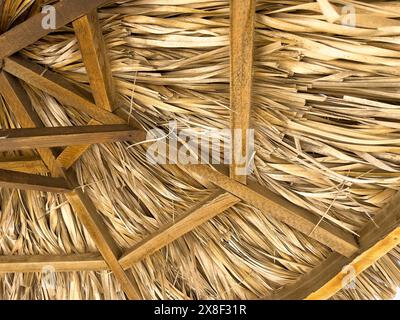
(325, 112)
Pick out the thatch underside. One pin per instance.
(317, 143)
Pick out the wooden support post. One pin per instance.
(242, 24)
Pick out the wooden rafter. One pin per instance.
(84, 208)
(322, 282)
(56, 86)
(26, 181)
(72, 154)
(95, 58)
(24, 164)
(81, 203)
(20, 139)
(60, 263)
(376, 239)
(19, 102)
(241, 61)
(283, 210)
(213, 205)
(31, 30)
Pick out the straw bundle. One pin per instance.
(327, 139)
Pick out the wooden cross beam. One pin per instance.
(23, 164)
(94, 55)
(60, 263)
(56, 86)
(95, 58)
(83, 206)
(377, 239)
(202, 212)
(26, 181)
(1, 7)
(282, 210)
(31, 30)
(34, 138)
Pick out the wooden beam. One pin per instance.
(202, 212)
(20, 139)
(282, 210)
(36, 7)
(71, 154)
(56, 86)
(90, 218)
(377, 239)
(23, 164)
(18, 101)
(31, 30)
(26, 181)
(20, 104)
(242, 24)
(59, 263)
(81, 203)
(95, 57)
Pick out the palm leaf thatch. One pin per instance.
(325, 113)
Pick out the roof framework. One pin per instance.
(107, 126)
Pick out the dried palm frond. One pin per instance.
(327, 139)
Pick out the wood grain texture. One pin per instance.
(213, 205)
(31, 30)
(96, 59)
(57, 263)
(26, 181)
(282, 210)
(56, 86)
(23, 164)
(241, 64)
(88, 215)
(21, 139)
(377, 239)
(81, 203)
(20, 104)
